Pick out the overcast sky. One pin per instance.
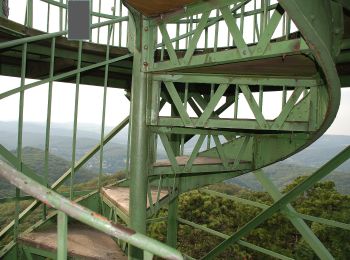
(90, 102)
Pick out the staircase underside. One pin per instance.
(38, 58)
(83, 242)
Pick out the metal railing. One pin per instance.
(84, 215)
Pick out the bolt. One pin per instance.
(145, 63)
(146, 28)
(145, 47)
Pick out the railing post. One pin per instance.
(4, 9)
(138, 145)
(62, 230)
(29, 14)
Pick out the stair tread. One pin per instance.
(120, 196)
(157, 7)
(83, 241)
(200, 160)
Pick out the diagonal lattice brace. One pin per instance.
(284, 200)
(211, 105)
(279, 121)
(254, 106)
(237, 35)
(268, 33)
(170, 152)
(297, 222)
(194, 153)
(186, 120)
(220, 151)
(169, 46)
(193, 43)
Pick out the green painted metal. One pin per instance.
(62, 235)
(138, 151)
(178, 68)
(298, 223)
(85, 215)
(284, 200)
(327, 222)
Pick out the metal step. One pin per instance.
(83, 242)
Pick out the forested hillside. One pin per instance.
(277, 233)
(34, 158)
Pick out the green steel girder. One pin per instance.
(85, 215)
(239, 242)
(331, 223)
(276, 49)
(283, 201)
(297, 222)
(200, 78)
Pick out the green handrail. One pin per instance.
(86, 216)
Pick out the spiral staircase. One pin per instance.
(206, 61)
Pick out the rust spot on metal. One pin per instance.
(98, 216)
(296, 46)
(124, 229)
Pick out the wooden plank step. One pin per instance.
(83, 242)
(120, 197)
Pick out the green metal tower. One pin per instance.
(205, 60)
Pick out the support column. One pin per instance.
(173, 205)
(138, 151)
(4, 8)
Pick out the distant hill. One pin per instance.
(282, 173)
(34, 158)
(115, 152)
(61, 142)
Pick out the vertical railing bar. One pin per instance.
(236, 102)
(206, 38)
(262, 17)
(48, 18)
(284, 96)
(268, 12)
(120, 23)
(48, 120)
(113, 33)
(288, 21)
(92, 18)
(105, 83)
(62, 235)
(162, 51)
(241, 26)
(228, 33)
(254, 26)
(177, 43)
(75, 123)
(211, 95)
(20, 136)
(29, 14)
(61, 16)
(99, 20)
(191, 29)
(187, 29)
(261, 97)
(182, 146)
(284, 24)
(216, 32)
(66, 18)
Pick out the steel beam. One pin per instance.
(285, 199)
